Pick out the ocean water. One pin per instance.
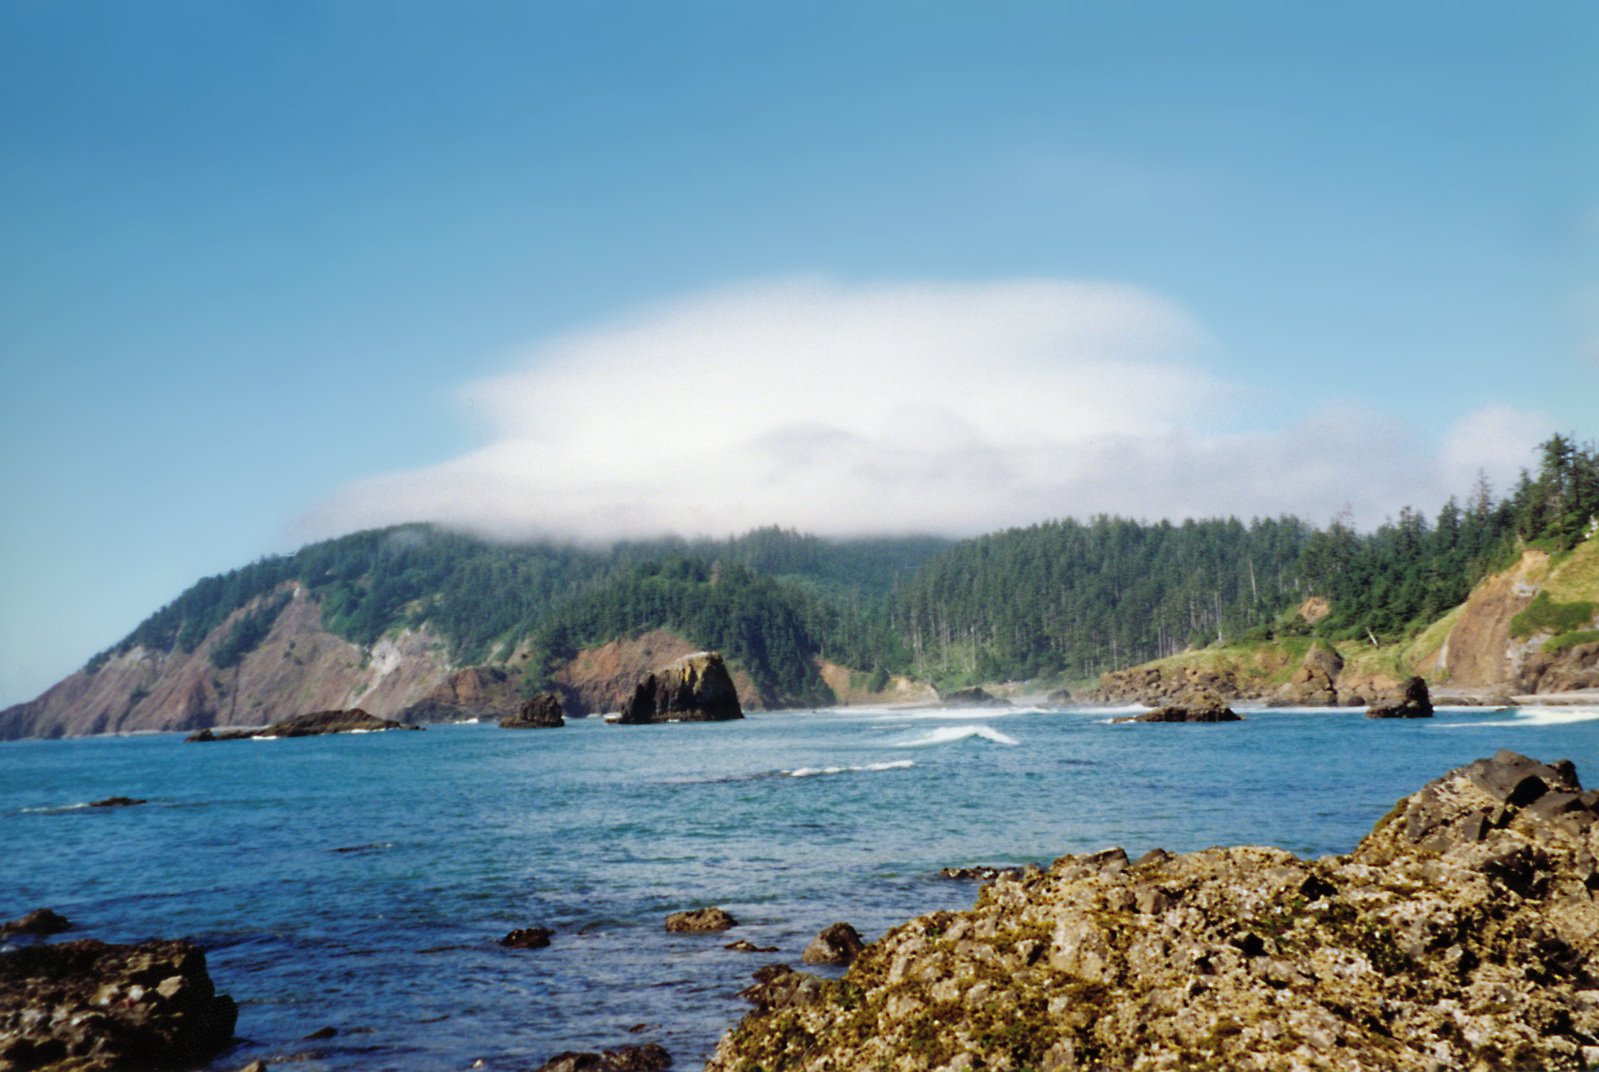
(361, 882)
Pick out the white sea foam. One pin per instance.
(1530, 717)
(811, 772)
(947, 734)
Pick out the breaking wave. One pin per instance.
(948, 734)
(811, 772)
(1530, 717)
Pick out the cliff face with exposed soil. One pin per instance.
(299, 667)
(1463, 933)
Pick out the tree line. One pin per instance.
(1066, 599)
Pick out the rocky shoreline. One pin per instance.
(1462, 933)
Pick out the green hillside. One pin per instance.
(1060, 600)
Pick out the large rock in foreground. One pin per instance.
(92, 1007)
(695, 688)
(1462, 933)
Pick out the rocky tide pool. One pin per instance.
(363, 882)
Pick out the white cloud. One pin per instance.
(955, 408)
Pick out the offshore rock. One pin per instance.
(1410, 700)
(1195, 705)
(839, 943)
(541, 712)
(1315, 682)
(1462, 934)
(87, 1006)
(315, 724)
(700, 921)
(117, 802)
(649, 1057)
(695, 688)
(40, 923)
(527, 938)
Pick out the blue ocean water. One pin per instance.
(361, 882)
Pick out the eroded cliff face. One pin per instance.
(1478, 651)
(603, 679)
(299, 667)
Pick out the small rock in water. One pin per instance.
(981, 874)
(649, 1057)
(321, 1033)
(837, 944)
(745, 946)
(1410, 700)
(700, 921)
(527, 938)
(117, 802)
(40, 923)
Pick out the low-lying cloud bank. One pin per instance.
(930, 407)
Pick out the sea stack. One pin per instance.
(695, 688)
(1410, 700)
(541, 712)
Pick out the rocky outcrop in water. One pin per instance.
(1194, 705)
(527, 938)
(695, 688)
(87, 1006)
(40, 923)
(1462, 934)
(541, 712)
(117, 802)
(1410, 700)
(649, 1057)
(700, 921)
(1315, 682)
(839, 943)
(315, 724)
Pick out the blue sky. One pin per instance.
(270, 271)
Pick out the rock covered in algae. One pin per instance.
(1462, 933)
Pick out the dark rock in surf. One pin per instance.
(527, 938)
(745, 946)
(700, 921)
(695, 688)
(315, 724)
(649, 1057)
(117, 802)
(979, 874)
(40, 923)
(839, 943)
(94, 1007)
(1195, 705)
(1410, 700)
(541, 712)
(321, 1033)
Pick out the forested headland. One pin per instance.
(1061, 600)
